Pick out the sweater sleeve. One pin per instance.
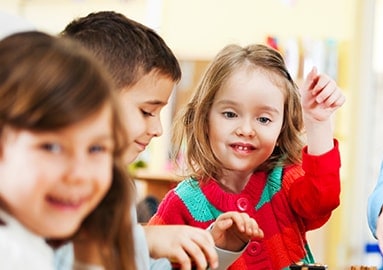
(375, 203)
(171, 211)
(316, 193)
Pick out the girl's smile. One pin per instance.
(242, 148)
(245, 120)
(62, 175)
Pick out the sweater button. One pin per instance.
(242, 204)
(254, 248)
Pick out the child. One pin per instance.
(60, 153)
(145, 72)
(242, 131)
(374, 210)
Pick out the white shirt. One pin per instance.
(64, 257)
(20, 249)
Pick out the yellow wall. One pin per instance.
(198, 29)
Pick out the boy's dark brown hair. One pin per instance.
(128, 50)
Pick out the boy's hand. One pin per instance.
(320, 96)
(233, 230)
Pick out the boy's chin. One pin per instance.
(129, 156)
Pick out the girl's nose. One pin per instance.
(78, 170)
(245, 129)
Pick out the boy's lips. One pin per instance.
(142, 145)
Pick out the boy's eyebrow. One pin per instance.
(156, 102)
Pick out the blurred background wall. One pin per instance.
(341, 37)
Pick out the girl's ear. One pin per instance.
(1, 146)
(5, 133)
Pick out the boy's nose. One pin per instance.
(155, 129)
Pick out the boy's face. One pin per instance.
(141, 105)
(52, 180)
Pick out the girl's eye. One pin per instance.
(52, 147)
(229, 114)
(264, 120)
(97, 149)
(145, 113)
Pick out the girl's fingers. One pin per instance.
(310, 79)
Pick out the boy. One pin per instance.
(145, 72)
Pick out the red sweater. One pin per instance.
(286, 204)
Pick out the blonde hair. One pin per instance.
(192, 124)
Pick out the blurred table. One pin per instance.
(157, 184)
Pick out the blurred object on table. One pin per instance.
(310, 266)
(146, 208)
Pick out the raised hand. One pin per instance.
(320, 96)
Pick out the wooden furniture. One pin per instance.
(157, 184)
(362, 267)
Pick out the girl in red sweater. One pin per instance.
(243, 135)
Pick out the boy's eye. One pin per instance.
(229, 114)
(52, 147)
(146, 113)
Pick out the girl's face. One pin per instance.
(142, 104)
(245, 120)
(50, 181)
